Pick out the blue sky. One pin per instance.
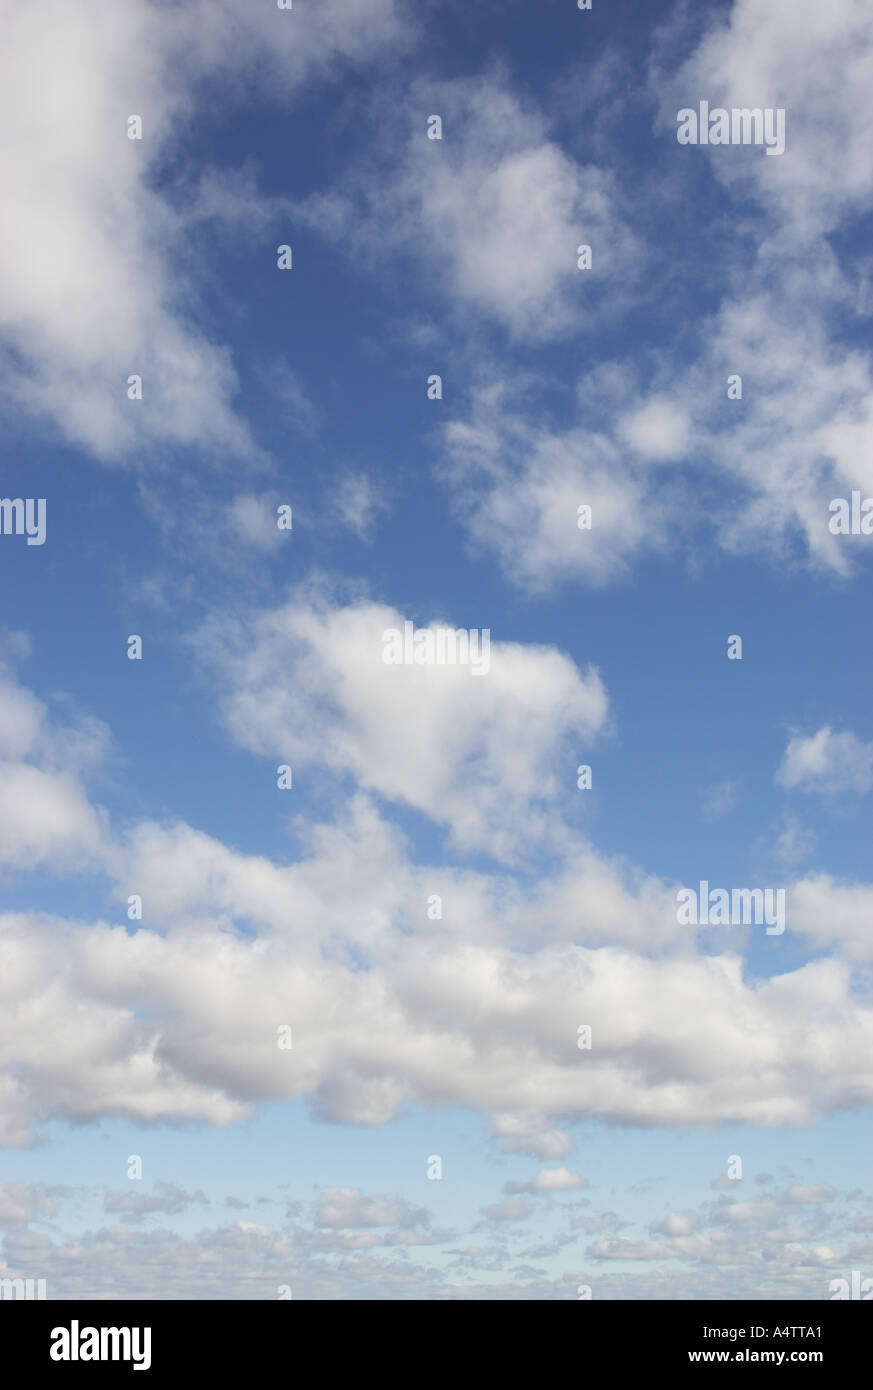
(416, 1036)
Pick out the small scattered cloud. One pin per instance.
(549, 1180)
(166, 1199)
(827, 762)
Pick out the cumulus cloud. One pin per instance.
(21, 1202)
(834, 914)
(769, 463)
(677, 1223)
(347, 1207)
(359, 500)
(794, 844)
(802, 434)
(516, 1209)
(306, 682)
(496, 205)
(657, 431)
(176, 1019)
(549, 1180)
(355, 879)
(680, 1041)
(780, 1248)
(818, 1192)
(166, 1199)
(253, 519)
(827, 762)
(622, 1248)
(90, 285)
(180, 1018)
(512, 476)
(764, 469)
(815, 61)
(529, 1134)
(44, 817)
(45, 812)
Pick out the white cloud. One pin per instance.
(166, 1199)
(518, 484)
(798, 438)
(814, 60)
(834, 915)
(485, 754)
(89, 287)
(677, 1223)
(358, 500)
(621, 1248)
(801, 435)
(21, 1202)
(496, 206)
(761, 470)
(756, 475)
(347, 1207)
(817, 1192)
(45, 813)
(179, 1018)
(355, 880)
(658, 430)
(826, 762)
(794, 844)
(529, 1134)
(514, 1209)
(184, 1024)
(549, 1180)
(771, 1249)
(254, 520)
(44, 817)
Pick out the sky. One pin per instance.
(330, 977)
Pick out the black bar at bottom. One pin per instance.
(64, 1338)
